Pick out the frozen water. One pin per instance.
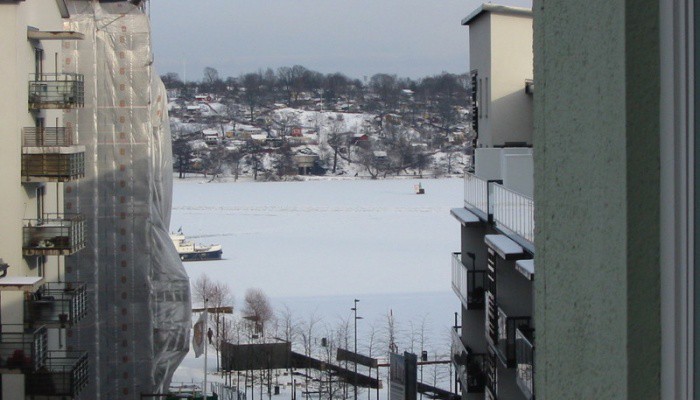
(315, 246)
(318, 238)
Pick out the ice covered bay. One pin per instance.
(314, 246)
(320, 238)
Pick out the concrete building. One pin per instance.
(616, 134)
(493, 272)
(38, 157)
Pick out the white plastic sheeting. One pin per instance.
(137, 331)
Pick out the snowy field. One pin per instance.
(315, 246)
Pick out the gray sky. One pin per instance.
(410, 38)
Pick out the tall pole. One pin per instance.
(355, 363)
(206, 344)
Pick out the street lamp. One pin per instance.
(355, 363)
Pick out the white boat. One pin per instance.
(191, 251)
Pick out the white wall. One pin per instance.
(500, 49)
(511, 65)
(18, 200)
(518, 171)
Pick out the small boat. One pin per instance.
(191, 251)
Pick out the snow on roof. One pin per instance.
(505, 247)
(526, 267)
(262, 136)
(496, 9)
(464, 216)
(379, 153)
(22, 283)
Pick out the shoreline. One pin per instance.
(300, 178)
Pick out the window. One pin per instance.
(40, 193)
(38, 62)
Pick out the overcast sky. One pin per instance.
(410, 38)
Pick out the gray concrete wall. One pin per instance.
(596, 193)
(514, 290)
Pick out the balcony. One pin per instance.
(63, 375)
(470, 367)
(514, 212)
(53, 235)
(524, 359)
(50, 155)
(491, 319)
(476, 195)
(56, 304)
(56, 91)
(468, 283)
(22, 350)
(491, 375)
(507, 326)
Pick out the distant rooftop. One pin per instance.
(496, 9)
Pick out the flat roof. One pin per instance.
(23, 283)
(526, 267)
(465, 216)
(506, 248)
(496, 9)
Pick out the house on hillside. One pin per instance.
(204, 98)
(358, 139)
(305, 163)
(211, 137)
(296, 131)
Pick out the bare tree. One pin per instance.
(257, 308)
(254, 151)
(372, 164)
(284, 161)
(218, 297)
(287, 324)
(336, 140)
(253, 95)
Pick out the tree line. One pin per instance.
(294, 86)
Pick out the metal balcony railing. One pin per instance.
(47, 137)
(470, 367)
(491, 375)
(491, 319)
(476, 195)
(55, 234)
(56, 304)
(64, 374)
(22, 350)
(56, 91)
(52, 164)
(505, 348)
(459, 350)
(468, 283)
(524, 358)
(513, 211)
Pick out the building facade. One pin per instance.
(94, 302)
(493, 272)
(39, 156)
(614, 133)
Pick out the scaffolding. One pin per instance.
(138, 290)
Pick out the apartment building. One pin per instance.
(38, 157)
(493, 271)
(616, 114)
(94, 302)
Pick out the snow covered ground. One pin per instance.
(315, 246)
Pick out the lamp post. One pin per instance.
(355, 363)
